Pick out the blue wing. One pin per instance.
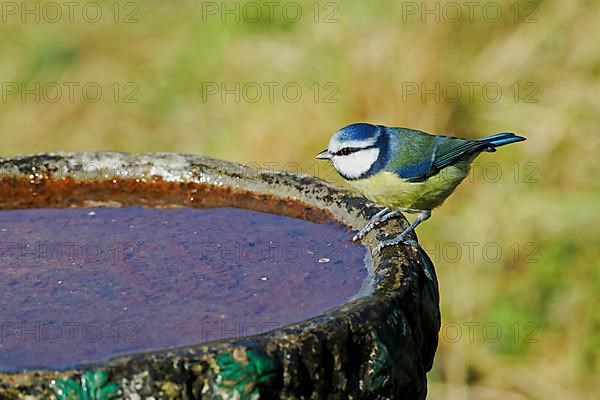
(419, 155)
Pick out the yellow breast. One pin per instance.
(388, 189)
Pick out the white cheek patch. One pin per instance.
(355, 164)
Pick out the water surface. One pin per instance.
(82, 285)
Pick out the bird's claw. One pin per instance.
(392, 242)
(360, 235)
(381, 216)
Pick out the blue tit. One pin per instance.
(403, 169)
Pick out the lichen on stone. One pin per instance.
(241, 373)
(93, 385)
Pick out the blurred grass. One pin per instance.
(543, 219)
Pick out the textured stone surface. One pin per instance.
(378, 346)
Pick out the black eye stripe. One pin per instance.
(349, 150)
(346, 151)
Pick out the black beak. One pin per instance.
(324, 155)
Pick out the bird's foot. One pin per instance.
(370, 225)
(389, 215)
(377, 219)
(401, 238)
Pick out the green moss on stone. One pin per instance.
(93, 385)
(241, 373)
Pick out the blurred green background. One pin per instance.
(516, 247)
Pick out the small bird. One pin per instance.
(404, 170)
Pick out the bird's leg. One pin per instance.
(396, 213)
(379, 218)
(375, 219)
(389, 215)
(401, 238)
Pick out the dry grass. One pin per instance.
(372, 56)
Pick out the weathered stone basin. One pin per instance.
(330, 319)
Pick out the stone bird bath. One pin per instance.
(152, 229)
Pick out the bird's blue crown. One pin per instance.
(358, 132)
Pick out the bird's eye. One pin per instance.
(345, 151)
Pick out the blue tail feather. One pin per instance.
(450, 149)
(500, 139)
